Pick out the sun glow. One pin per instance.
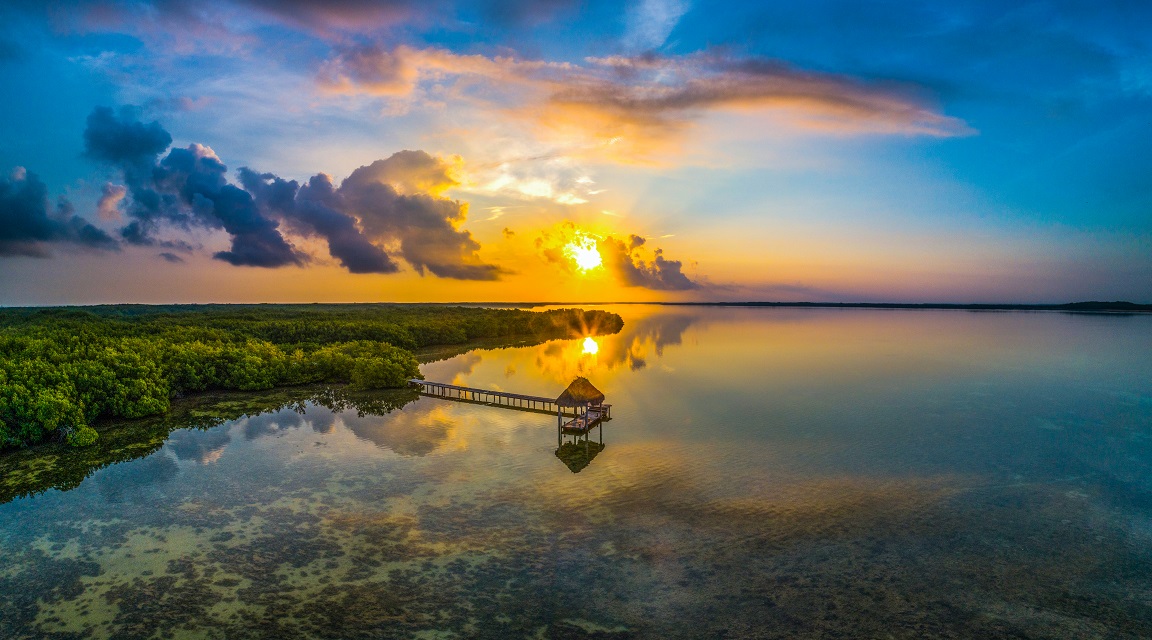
(590, 346)
(582, 250)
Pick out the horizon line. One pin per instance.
(1093, 305)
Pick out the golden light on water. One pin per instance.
(590, 346)
(582, 250)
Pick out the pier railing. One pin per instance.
(538, 404)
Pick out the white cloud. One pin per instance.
(650, 22)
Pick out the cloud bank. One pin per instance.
(638, 100)
(394, 202)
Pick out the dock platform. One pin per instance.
(582, 424)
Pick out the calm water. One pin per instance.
(769, 473)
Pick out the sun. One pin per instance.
(590, 346)
(583, 252)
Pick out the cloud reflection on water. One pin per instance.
(134, 482)
(199, 446)
(417, 431)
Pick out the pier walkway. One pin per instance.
(503, 399)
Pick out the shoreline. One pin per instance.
(53, 464)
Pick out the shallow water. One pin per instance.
(769, 473)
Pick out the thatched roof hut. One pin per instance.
(580, 393)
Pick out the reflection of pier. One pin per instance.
(578, 410)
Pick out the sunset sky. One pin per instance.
(496, 150)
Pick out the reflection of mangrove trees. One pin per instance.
(63, 369)
(55, 465)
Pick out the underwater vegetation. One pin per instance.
(275, 545)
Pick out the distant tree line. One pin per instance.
(62, 369)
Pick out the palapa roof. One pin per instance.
(580, 393)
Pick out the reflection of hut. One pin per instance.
(577, 455)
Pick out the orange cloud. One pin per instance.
(111, 195)
(632, 107)
(399, 72)
(624, 260)
(660, 92)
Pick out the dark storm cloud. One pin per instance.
(256, 242)
(397, 200)
(126, 143)
(123, 139)
(187, 188)
(198, 176)
(313, 210)
(660, 273)
(29, 225)
(135, 233)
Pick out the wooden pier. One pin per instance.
(578, 410)
(536, 404)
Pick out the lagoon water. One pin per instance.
(769, 473)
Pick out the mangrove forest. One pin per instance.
(64, 369)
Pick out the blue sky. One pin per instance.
(895, 151)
